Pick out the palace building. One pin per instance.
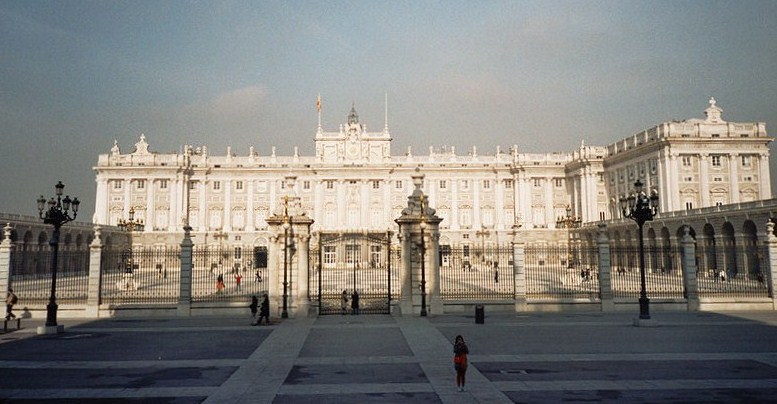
(354, 183)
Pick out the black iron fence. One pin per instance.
(367, 263)
(663, 272)
(228, 275)
(30, 277)
(557, 271)
(737, 272)
(147, 275)
(476, 274)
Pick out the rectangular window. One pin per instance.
(192, 185)
(330, 254)
(686, 161)
(464, 184)
(375, 184)
(486, 184)
(398, 184)
(330, 184)
(509, 184)
(688, 205)
(141, 184)
(162, 184)
(238, 185)
(559, 182)
(716, 135)
(747, 161)
(306, 185)
(216, 185)
(443, 184)
(537, 182)
(116, 184)
(716, 161)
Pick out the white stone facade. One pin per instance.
(353, 182)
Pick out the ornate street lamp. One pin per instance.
(56, 215)
(569, 222)
(483, 233)
(286, 226)
(641, 208)
(423, 259)
(131, 224)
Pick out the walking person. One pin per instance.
(220, 284)
(355, 303)
(254, 306)
(264, 310)
(460, 352)
(238, 279)
(344, 302)
(496, 272)
(10, 301)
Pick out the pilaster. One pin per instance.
(690, 283)
(95, 275)
(605, 270)
(185, 291)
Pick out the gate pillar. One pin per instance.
(5, 259)
(288, 255)
(420, 272)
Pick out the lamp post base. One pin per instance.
(644, 308)
(50, 329)
(51, 314)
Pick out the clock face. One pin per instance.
(353, 151)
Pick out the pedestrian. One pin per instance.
(10, 300)
(460, 352)
(258, 277)
(264, 310)
(254, 306)
(496, 272)
(238, 279)
(220, 284)
(344, 302)
(355, 302)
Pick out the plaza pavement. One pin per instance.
(520, 357)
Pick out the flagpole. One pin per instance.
(318, 108)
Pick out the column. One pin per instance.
(101, 203)
(704, 180)
(150, 206)
(605, 270)
(663, 189)
(5, 259)
(405, 279)
(275, 266)
(95, 275)
(127, 202)
(341, 213)
(318, 207)
(690, 283)
(300, 292)
(764, 178)
(388, 210)
(674, 191)
(185, 292)
(177, 208)
(516, 202)
(250, 213)
(550, 220)
(433, 258)
(519, 272)
(733, 178)
(203, 214)
(476, 213)
(499, 215)
(364, 209)
(454, 225)
(771, 267)
(227, 223)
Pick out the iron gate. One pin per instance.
(348, 262)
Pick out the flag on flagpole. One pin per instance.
(318, 103)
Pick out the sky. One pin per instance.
(544, 75)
